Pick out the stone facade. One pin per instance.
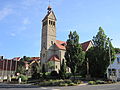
(52, 50)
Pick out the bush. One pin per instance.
(77, 81)
(63, 84)
(68, 75)
(57, 83)
(23, 78)
(36, 76)
(100, 82)
(91, 83)
(67, 81)
(54, 75)
(71, 84)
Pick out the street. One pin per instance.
(80, 87)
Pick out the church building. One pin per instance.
(52, 50)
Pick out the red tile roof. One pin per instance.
(85, 45)
(62, 44)
(54, 58)
(35, 58)
(17, 58)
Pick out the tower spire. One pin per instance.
(49, 7)
(49, 2)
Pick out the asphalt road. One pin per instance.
(81, 87)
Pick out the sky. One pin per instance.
(20, 23)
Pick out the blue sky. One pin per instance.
(20, 22)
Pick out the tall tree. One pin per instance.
(35, 70)
(62, 71)
(98, 55)
(74, 55)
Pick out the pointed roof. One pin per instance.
(49, 12)
(60, 44)
(54, 58)
(17, 58)
(85, 45)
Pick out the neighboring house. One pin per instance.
(30, 63)
(115, 68)
(7, 67)
(52, 50)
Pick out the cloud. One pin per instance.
(5, 12)
(12, 34)
(26, 21)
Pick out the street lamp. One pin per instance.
(109, 41)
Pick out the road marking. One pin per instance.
(55, 89)
(43, 88)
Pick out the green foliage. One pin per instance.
(98, 55)
(23, 77)
(100, 82)
(54, 75)
(117, 50)
(74, 55)
(57, 83)
(91, 83)
(62, 71)
(35, 70)
(21, 69)
(50, 65)
(43, 68)
(21, 65)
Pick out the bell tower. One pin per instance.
(48, 37)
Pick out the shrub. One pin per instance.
(100, 82)
(71, 84)
(68, 75)
(91, 83)
(63, 84)
(67, 81)
(77, 81)
(23, 77)
(54, 75)
(36, 76)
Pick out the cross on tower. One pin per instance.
(49, 2)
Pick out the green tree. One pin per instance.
(35, 69)
(117, 50)
(21, 65)
(74, 55)
(21, 69)
(62, 71)
(98, 55)
(43, 71)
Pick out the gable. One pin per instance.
(50, 15)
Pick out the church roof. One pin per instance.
(48, 15)
(54, 58)
(62, 44)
